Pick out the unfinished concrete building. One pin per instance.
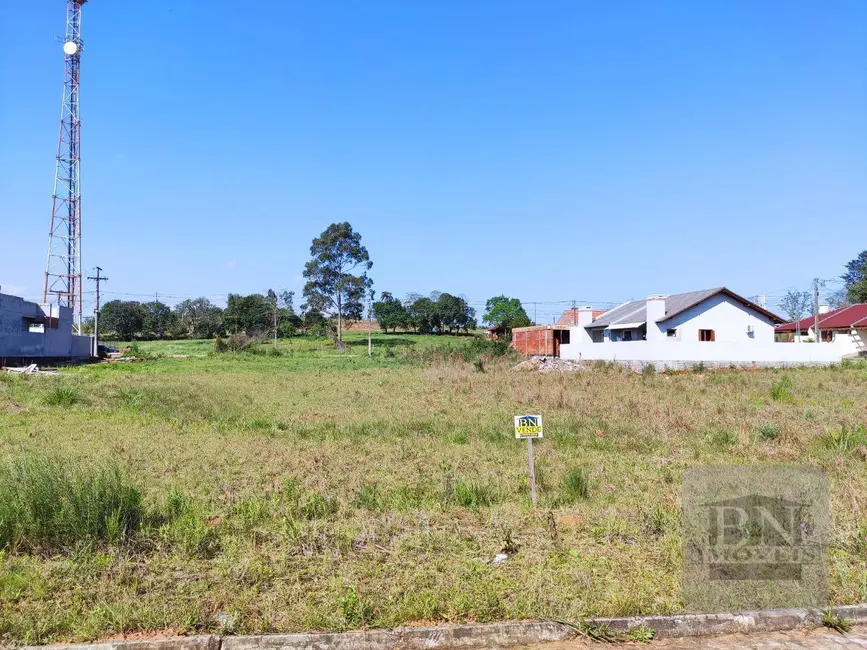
(33, 332)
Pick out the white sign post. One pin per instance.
(529, 427)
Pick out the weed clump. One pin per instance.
(62, 396)
(781, 390)
(844, 439)
(576, 484)
(470, 494)
(769, 432)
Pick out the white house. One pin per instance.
(714, 326)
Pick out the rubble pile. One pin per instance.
(548, 364)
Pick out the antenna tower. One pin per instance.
(63, 267)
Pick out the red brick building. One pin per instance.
(545, 340)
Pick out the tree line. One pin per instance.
(337, 289)
(199, 318)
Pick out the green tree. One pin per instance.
(199, 318)
(159, 319)
(424, 316)
(334, 285)
(507, 312)
(253, 314)
(315, 323)
(390, 312)
(454, 313)
(125, 318)
(795, 304)
(855, 279)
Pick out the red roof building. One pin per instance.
(842, 319)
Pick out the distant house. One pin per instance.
(702, 316)
(846, 326)
(712, 326)
(495, 332)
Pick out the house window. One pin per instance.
(564, 337)
(671, 333)
(627, 335)
(706, 335)
(598, 336)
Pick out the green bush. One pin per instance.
(479, 346)
(48, 504)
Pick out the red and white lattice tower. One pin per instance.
(63, 267)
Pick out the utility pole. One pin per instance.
(369, 325)
(816, 310)
(98, 278)
(573, 313)
(275, 320)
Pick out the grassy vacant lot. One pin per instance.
(311, 491)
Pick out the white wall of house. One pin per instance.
(850, 341)
(728, 318)
(675, 353)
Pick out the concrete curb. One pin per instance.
(488, 636)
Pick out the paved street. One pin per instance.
(818, 639)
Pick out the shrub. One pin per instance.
(49, 504)
(576, 484)
(479, 364)
(698, 368)
(62, 396)
(478, 347)
(220, 344)
(241, 341)
(649, 370)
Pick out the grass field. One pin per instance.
(310, 490)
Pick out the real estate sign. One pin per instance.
(528, 426)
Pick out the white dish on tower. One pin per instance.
(70, 47)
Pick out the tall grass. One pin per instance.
(61, 396)
(576, 484)
(48, 505)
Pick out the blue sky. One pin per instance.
(551, 150)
